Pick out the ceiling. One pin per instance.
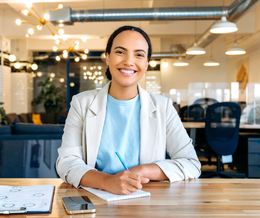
(181, 31)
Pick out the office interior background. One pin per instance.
(170, 40)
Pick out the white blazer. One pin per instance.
(161, 131)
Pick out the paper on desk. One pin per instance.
(34, 198)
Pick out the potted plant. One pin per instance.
(3, 119)
(50, 97)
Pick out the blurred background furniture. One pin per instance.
(222, 133)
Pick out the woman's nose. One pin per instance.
(129, 60)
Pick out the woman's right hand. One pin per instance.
(124, 183)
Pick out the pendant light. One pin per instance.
(223, 26)
(235, 50)
(211, 62)
(180, 63)
(195, 49)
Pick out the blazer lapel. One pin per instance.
(95, 119)
(148, 127)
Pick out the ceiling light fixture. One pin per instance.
(223, 26)
(180, 63)
(73, 48)
(42, 20)
(153, 63)
(165, 64)
(235, 50)
(12, 58)
(211, 62)
(195, 50)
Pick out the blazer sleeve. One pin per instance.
(70, 164)
(184, 163)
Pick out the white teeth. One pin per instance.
(127, 71)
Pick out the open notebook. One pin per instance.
(107, 196)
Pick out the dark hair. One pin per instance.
(119, 30)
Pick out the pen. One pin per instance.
(121, 160)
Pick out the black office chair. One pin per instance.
(222, 132)
(192, 113)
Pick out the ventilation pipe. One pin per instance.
(233, 12)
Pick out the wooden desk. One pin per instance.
(192, 198)
(200, 125)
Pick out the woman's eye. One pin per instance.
(140, 55)
(119, 52)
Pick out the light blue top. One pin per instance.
(121, 132)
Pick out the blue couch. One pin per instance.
(29, 150)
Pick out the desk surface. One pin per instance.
(199, 125)
(191, 198)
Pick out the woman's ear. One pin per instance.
(107, 59)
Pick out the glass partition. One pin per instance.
(194, 100)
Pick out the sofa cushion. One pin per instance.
(11, 118)
(36, 118)
(48, 118)
(28, 128)
(5, 130)
(23, 118)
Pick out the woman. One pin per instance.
(123, 117)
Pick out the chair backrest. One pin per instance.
(205, 101)
(222, 127)
(192, 113)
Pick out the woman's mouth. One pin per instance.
(127, 72)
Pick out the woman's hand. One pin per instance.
(124, 182)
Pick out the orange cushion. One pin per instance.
(36, 118)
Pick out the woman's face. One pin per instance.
(127, 60)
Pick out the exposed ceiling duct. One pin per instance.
(233, 12)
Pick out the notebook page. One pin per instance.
(107, 196)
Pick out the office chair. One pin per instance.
(192, 113)
(222, 132)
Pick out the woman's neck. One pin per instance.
(122, 93)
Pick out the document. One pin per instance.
(107, 196)
(26, 199)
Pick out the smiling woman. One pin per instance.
(122, 117)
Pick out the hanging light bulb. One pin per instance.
(180, 63)
(39, 74)
(17, 65)
(57, 58)
(18, 22)
(195, 50)
(223, 26)
(65, 55)
(30, 31)
(54, 48)
(12, 58)
(235, 50)
(211, 62)
(61, 31)
(55, 37)
(34, 66)
(86, 50)
(57, 42)
(76, 47)
(46, 16)
(64, 38)
(153, 63)
(62, 80)
(25, 12)
(84, 56)
(164, 64)
(39, 27)
(77, 59)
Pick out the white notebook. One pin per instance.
(107, 196)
